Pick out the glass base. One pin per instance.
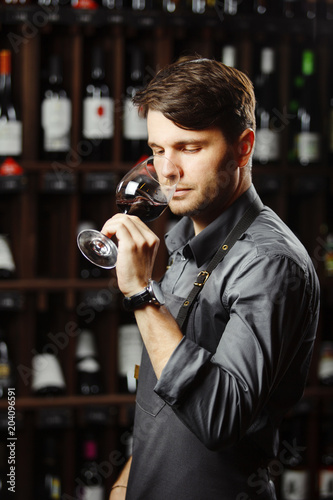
(97, 248)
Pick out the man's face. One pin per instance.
(209, 175)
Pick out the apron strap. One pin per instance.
(242, 225)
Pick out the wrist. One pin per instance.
(151, 294)
(135, 290)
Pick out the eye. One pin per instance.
(192, 149)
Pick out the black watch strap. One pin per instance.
(152, 294)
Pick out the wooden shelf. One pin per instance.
(29, 403)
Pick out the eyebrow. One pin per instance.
(185, 142)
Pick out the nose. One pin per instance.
(168, 169)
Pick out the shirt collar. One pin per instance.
(205, 244)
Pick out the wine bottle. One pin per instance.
(308, 137)
(113, 4)
(142, 4)
(129, 355)
(10, 125)
(328, 258)
(230, 7)
(6, 367)
(310, 9)
(98, 111)
(325, 363)
(229, 56)
(91, 483)
(56, 114)
(267, 144)
(48, 483)
(265, 7)
(10, 167)
(89, 377)
(296, 89)
(54, 3)
(47, 378)
(16, 3)
(292, 9)
(172, 6)
(325, 472)
(7, 264)
(329, 10)
(260, 7)
(134, 126)
(198, 6)
(84, 4)
(295, 476)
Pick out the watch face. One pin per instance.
(157, 292)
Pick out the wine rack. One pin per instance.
(41, 210)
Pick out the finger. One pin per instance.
(134, 226)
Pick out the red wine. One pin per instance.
(147, 210)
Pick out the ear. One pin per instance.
(244, 146)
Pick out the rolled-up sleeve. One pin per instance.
(272, 304)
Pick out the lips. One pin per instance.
(180, 191)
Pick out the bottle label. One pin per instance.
(46, 373)
(4, 371)
(295, 485)
(198, 6)
(308, 147)
(98, 117)
(92, 493)
(129, 353)
(326, 483)
(135, 126)
(267, 146)
(11, 138)
(55, 488)
(6, 257)
(56, 122)
(325, 365)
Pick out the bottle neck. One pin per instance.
(5, 85)
(267, 61)
(3, 350)
(136, 67)
(5, 72)
(97, 73)
(55, 79)
(97, 64)
(308, 63)
(55, 71)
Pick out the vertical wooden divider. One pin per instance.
(29, 56)
(118, 90)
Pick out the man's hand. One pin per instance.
(118, 494)
(137, 249)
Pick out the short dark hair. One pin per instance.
(197, 93)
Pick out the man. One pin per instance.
(211, 395)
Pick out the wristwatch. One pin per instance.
(152, 294)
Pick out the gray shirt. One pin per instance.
(208, 428)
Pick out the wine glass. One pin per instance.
(145, 191)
